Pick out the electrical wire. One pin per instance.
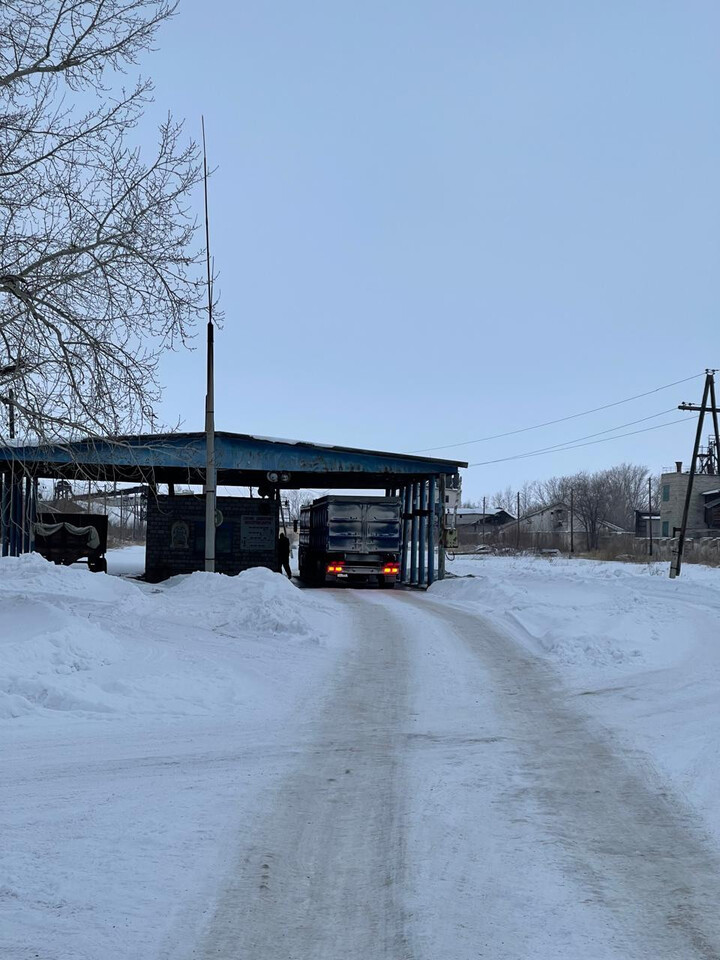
(590, 443)
(549, 423)
(558, 447)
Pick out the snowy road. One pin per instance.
(451, 799)
(520, 764)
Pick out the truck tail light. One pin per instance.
(335, 567)
(391, 568)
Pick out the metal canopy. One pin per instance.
(241, 459)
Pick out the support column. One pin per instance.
(431, 532)
(406, 507)
(414, 535)
(423, 532)
(33, 512)
(441, 530)
(5, 514)
(27, 514)
(16, 513)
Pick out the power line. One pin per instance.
(549, 423)
(537, 453)
(589, 436)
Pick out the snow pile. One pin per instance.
(584, 612)
(136, 720)
(82, 643)
(257, 602)
(641, 650)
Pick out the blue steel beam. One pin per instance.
(234, 452)
(405, 532)
(5, 514)
(414, 534)
(16, 508)
(431, 533)
(423, 532)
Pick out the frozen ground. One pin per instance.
(643, 651)
(518, 765)
(127, 561)
(135, 721)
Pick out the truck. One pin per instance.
(345, 539)
(66, 538)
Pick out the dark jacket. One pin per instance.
(283, 548)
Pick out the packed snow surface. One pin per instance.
(509, 766)
(116, 700)
(640, 649)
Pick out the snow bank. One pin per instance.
(641, 650)
(136, 720)
(258, 602)
(584, 612)
(83, 643)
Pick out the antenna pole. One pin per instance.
(210, 469)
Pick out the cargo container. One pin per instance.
(350, 540)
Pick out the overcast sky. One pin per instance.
(436, 222)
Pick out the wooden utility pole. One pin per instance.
(210, 470)
(649, 520)
(714, 411)
(572, 520)
(483, 520)
(676, 565)
(518, 522)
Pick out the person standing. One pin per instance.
(284, 554)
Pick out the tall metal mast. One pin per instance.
(210, 488)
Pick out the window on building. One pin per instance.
(665, 528)
(666, 492)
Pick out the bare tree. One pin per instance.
(627, 492)
(97, 275)
(592, 501)
(295, 500)
(507, 499)
(554, 490)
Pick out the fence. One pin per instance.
(611, 545)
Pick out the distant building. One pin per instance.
(474, 527)
(453, 495)
(641, 524)
(550, 527)
(704, 513)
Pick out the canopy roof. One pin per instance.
(241, 459)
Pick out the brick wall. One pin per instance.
(247, 536)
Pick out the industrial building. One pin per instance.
(704, 512)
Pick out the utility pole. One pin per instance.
(483, 520)
(517, 538)
(210, 469)
(572, 520)
(11, 412)
(676, 565)
(649, 520)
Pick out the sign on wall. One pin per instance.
(257, 533)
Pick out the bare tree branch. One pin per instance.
(97, 264)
